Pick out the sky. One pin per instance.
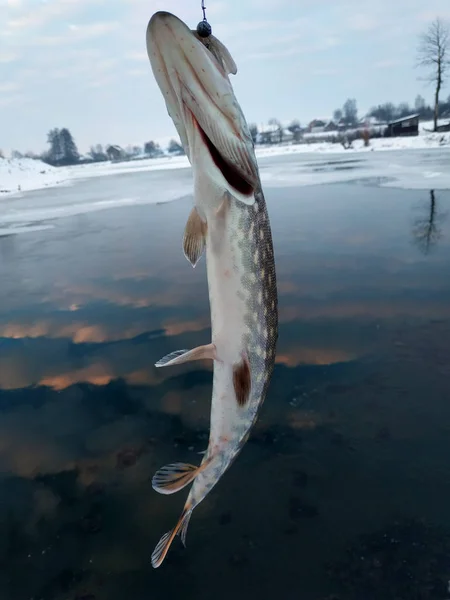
(82, 64)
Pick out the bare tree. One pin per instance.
(350, 111)
(434, 54)
(426, 228)
(337, 115)
(253, 128)
(276, 123)
(295, 129)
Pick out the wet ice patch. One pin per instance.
(408, 170)
(14, 229)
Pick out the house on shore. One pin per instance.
(115, 152)
(272, 134)
(408, 125)
(322, 125)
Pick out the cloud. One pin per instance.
(74, 35)
(102, 82)
(8, 57)
(13, 100)
(362, 22)
(388, 63)
(93, 29)
(427, 16)
(8, 86)
(44, 43)
(138, 72)
(139, 56)
(31, 18)
(268, 5)
(305, 47)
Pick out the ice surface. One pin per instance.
(22, 175)
(23, 228)
(415, 169)
(408, 167)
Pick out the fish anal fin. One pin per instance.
(174, 477)
(194, 237)
(182, 356)
(242, 381)
(160, 552)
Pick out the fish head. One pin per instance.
(192, 74)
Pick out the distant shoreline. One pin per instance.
(21, 175)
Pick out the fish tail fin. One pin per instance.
(160, 552)
(174, 477)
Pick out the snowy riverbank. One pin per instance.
(25, 174)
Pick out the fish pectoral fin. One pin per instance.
(194, 239)
(160, 552)
(181, 356)
(242, 381)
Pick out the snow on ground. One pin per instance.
(132, 166)
(25, 174)
(19, 175)
(432, 140)
(421, 142)
(427, 126)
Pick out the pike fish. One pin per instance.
(229, 221)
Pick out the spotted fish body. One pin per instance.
(230, 221)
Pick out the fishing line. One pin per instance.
(204, 28)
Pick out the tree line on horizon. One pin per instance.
(63, 150)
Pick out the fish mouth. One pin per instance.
(194, 82)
